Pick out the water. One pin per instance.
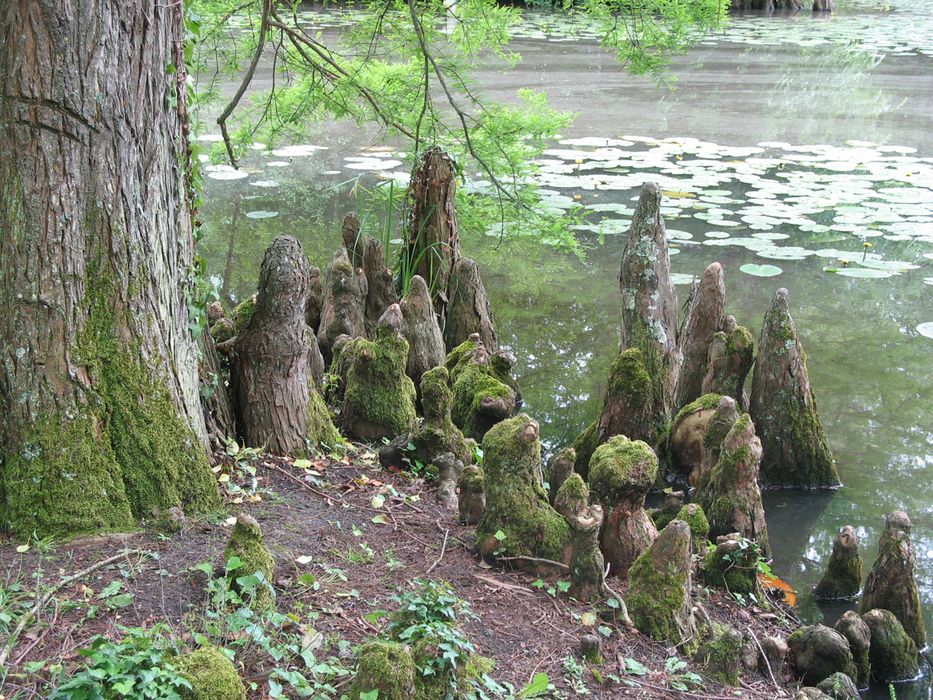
(843, 107)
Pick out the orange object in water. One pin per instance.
(773, 583)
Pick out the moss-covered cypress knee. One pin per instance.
(471, 502)
(843, 576)
(559, 469)
(839, 686)
(783, 407)
(857, 633)
(211, 674)
(386, 667)
(686, 438)
(819, 652)
(438, 434)
(892, 583)
(729, 360)
(892, 653)
(621, 472)
(730, 496)
(673, 502)
(660, 587)
(732, 565)
(483, 392)
(721, 654)
(518, 519)
(379, 399)
(426, 348)
(344, 307)
(693, 515)
(587, 566)
(246, 544)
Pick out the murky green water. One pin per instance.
(788, 145)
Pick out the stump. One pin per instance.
(732, 565)
(587, 566)
(686, 442)
(782, 405)
(518, 519)
(483, 393)
(843, 576)
(892, 583)
(472, 500)
(269, 360)
(353, 241)
(660, 587)
(560, 468)
(704, 320)
(730, 357)
(343, 312)
(469, 310)
(819, 652)
(449, 469)
(315, 301)
(432, 243)
(419, 326)
(650, 312)
(730, 496)
(857, 633)
(247, 545)
(380, 286)
(379, 399)
(438, 434)
(621, 473)
(892, 653)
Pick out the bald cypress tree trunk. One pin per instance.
(101, 423)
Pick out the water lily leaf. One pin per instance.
(860, 272)
(926, 329)
(756, 270)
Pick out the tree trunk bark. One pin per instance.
(101, 421)
(433, 243)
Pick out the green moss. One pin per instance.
(516, 503)
(474, 383)
(456, 356)
(739, 340)
(211, 674)
(242, 313)
(124, 455)
(472, 480)
(377, 390)
(621, 467)
(321, 430)
(736, 576)
(693, 515)
(222, 330)
(584, 445)
(721, 654)
(387, 667)
(438, 434)
(655, 595)
(247, 544)
(706, 402)
(892, 653)
(574, 489)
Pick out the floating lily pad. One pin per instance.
(756, 270)
(860, 272)
(926, 329)
(261, 214)
(297, 150)
(682, 278)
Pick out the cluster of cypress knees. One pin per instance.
(359, 354)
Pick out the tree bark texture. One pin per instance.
(704, 319)
(102, 422)
(270, 360)
(433, 242)
(469, 311)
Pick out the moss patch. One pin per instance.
(621, 467)
(211, 674)
(247, 544)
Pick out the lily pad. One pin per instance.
(860, 272)
(261, 214)
(756, 270)
(926, 329)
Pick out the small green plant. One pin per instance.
(677, 677)
(573, 675)
(748, 550)
(138, 666)
(238, 478)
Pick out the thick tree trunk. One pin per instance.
(101, 420)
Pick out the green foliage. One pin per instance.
(138, 666)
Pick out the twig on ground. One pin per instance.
(443, 548)
(537, 560)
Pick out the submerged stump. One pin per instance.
(819, 652)
(843, 576)
(858, 634)
(782, 405)
(892, 583)
(892, 653)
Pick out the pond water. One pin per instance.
(797, 151)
